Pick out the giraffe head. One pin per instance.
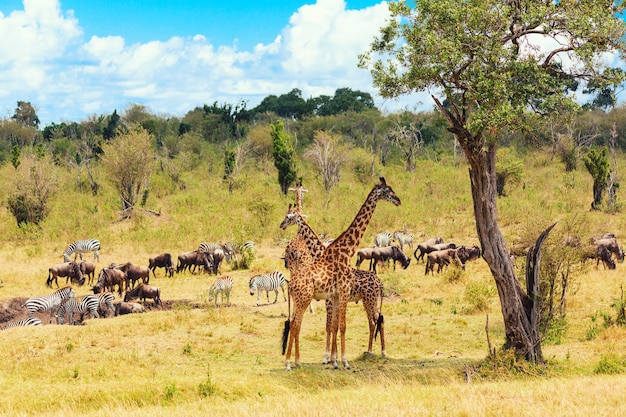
(384, 192)
(291, 217)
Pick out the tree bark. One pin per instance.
(517, 307)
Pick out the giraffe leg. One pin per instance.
(342, 327)
(294, 337)
(334, 326)
(329, 319)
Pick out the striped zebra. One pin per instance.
(88, 303)
(29, 321)
(82, 246)
(105, 303)
(223, 285)
(48, 302)
(382, 239)
(268, 282)
(403, 238)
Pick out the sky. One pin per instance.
(73, 59)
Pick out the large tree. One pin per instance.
(489, 65)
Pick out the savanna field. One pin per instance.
(195, 359)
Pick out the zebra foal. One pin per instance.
(48, 302)
(82, 246)
(222, 285)
(268, 282)
(29, 321)
(87, 304)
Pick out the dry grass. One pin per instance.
(226, 360)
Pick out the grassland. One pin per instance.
(226, 360)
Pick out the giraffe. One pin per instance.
(367, 285)
(330, 276)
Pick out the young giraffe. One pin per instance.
(331, 277)
(367, 285)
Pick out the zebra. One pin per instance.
(82, 246)
(403, 238)
(223, 285)
(382, 239)
(246, 246)
(268, 282)
(48, 302)
(29, 321)
(105, 303)
(88, 303)
(217, 252)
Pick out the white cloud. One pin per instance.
(69, 78)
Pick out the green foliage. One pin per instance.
(478, 296)
(32, 187)
(597, 163)
(207, 387)
(509, 170)
(128, 160)
(611, 364)
(15, 156)
(25, 114)
(284, 156)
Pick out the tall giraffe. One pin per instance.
(367, 285)
(331, 277)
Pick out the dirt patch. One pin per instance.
(11, 309)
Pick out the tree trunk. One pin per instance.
(517, 308)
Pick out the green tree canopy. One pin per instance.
(284, 156)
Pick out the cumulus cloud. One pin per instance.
(49, 63)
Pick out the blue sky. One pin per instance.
(76, 58)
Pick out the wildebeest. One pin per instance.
(108, 279)
(466, 254)
(382, 255)
(609, 241)
(441, 258)
(69, 270)
(426, 247)
(88, 269)
(193, 258)
(123, 307)
(604, 255)
(143, 291)
(163, 260)
(133, 273)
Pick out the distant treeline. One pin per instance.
(349, 114)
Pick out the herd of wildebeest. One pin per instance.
(132, 280)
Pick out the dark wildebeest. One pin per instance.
(133, 273)
(441, 258)
(604, 255)
(193, 258)
(88, 269)
(611, 244)
(108, 279)
(143, 291)
(426, 247)
(163, 260)
(122, 308)
(383, 254)
(69, 270)
(216, 259)
(466, 254)
(362, 254)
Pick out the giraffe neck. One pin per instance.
(345, 245)
(313, 242)
(299, 199)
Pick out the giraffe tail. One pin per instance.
(285, 337)
(381, 319)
